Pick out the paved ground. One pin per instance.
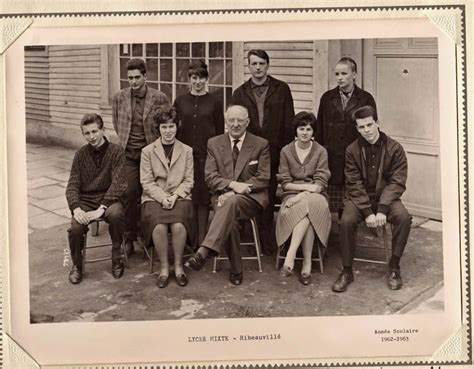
(135, 296)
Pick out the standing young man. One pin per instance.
(376, 174)
(335, 128)
(95, 189)
(133, 109)
(270, 106)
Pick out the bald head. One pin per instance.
(236, 120)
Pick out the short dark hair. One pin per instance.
(137, 63)
(92, 118)
(260, 53)
(303, 118)
(348, 61)
(365, 112)
(198, 68)
(165, 115)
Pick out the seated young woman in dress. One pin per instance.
(166, 174)
(303, 174)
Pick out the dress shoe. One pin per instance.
(236, 278)
(117, 268)
(129, 248)
(344, 279)
(286, 271)
(305, 278)
(75, 275)
(195, 262)
(394, 279)
(162, 281)
(181, 279)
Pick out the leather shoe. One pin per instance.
(182, 279)
(394, 279)
(195, 262)
(344, 279)
(305, 278)
(236, 278)
(75, 275)
(162, 281)
(117, 268)
(129, 248)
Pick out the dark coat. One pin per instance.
(391, 179)
(278, 115)
(335, 129)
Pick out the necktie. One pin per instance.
(235, 152)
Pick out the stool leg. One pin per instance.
(320, 255)
(385, 243)
(124, 254)
(84, 248)
(256, 238)
(152, 259)
(277, 262)
(214, 267)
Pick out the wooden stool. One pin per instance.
(109, 244)
(319, 259)
(256, 243)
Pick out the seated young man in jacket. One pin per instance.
(95, 188)
(375, 178)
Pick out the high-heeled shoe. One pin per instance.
(305, 278)
(286, 271)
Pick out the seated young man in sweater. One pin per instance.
(95, 188)
(376, 174)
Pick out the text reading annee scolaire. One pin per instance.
(242, 337)
(396, 335)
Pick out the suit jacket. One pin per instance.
(158, 180)
(336, 130)
(278, 114)
(122, 113)
(252, 166)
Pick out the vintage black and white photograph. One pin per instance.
(229, 191)
(133, 143)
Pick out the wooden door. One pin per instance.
(402, 75)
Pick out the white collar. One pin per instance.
(241, 140)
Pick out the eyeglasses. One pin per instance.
(236, 120)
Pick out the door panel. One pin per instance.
(402, 74)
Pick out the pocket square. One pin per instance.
(253, 162)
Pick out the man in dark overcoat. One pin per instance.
(270, 106)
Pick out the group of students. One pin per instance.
(181, 161)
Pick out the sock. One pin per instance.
(394, 262)
(347, 269)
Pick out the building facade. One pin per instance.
(64, 82)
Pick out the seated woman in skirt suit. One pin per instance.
(166, 174)
(303, 174)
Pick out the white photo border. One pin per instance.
(12, 26)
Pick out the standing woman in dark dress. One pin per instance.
(202, 117)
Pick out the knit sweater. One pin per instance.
(91, 184)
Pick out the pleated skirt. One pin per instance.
(315, 207)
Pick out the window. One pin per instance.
(167, 66)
